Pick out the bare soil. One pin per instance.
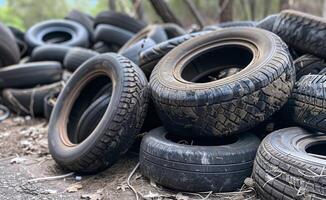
(24, 157)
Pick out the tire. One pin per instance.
(173, 30)
(49, 53)
(122, 120)
(20, 41)
(191, 101)
(308, 64)
(84, 20)
(30, 74)
(267, 23)
(302, 31)
(283, 169)
(154, 32)
(151, 56)
(120, 20)
(306, 105)
(29, 101)
(9, 52)
(102, 47)
(76, 57)
(49, 103)
(61, 32)
(134, 51)
(202, 166)
(112, 35)
(237, 24)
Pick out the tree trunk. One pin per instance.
(163, 10)
(139, 9)
(284, 4)
(226, 10)
(324, 9)
(195, 12)
(111, 5)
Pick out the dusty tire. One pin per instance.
(302, 31)
(173, 30)
(83, 19)
(30, 74)
(120, 20)
(283, 168)
(112, 35)
(150, 57)
(211, 165)
(76, 57)
(121, 121)
(49, 53)
(29, 101)
(61, 32)
(308, 64)
(9, 52)
(306, 106)
(190, 102)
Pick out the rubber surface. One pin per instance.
(49, 53)
(9, 52)
(308, 64)
(112, 35)
(83, 19)
(76, 57)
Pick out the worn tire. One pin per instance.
(49, 53)
(83, 19)
(112, 35)
(237, 24)
(173, 30)
(306, 105)
(102, 47)
(76, 57)
(284, 170)
(29, 101)
(120, 20)
(9, 52)
(20, 41)
(122, 120)
(30, 74)
(151, 56)
(308, 64)
(219, 166)
(61, 32)
(268, 22)
(229, 105)
(302, 31)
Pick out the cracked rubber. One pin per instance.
(230, 105)
(201, 166)
(307, 103)
(308, 64)
(117, 129)
(284, 170)
(302, 31)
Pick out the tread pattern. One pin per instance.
(282, 177)
(302, 31)
(308, 64)
(120, 132)
(307, 104)
(224, 110)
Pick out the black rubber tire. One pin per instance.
(284, 170)
(62, 32)
(30, 74)
(199, 167)
(120, 20)
(150, 57)
(308, 64)
(49, 52)
(302, 31)
(83, 19)
(173, 30)
(122, 120)
(154, 32)
(322, 72)
(237, 24)
(268, 22)
(229, 105)
(133, 52)
(49, 105)
(112, 34)
(20, 40)
(306, 105)
(29, 101)
(9, 51)
(102, 47)
(76, 57)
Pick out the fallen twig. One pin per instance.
(50, 178)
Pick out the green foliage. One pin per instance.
(7, 15)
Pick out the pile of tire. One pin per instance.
(204, 100)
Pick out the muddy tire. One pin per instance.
(76, 57)
(203, 166)
(308, 64)
(302, 31)
(122, 120)
(287, 163)
(306, 105)
(190, 100)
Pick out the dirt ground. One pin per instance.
(26, 169)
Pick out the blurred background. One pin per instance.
(24, 13)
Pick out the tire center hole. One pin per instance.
(317, 150)
(56, 37)
(89, 108)
(201, 141)
(217, 63)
